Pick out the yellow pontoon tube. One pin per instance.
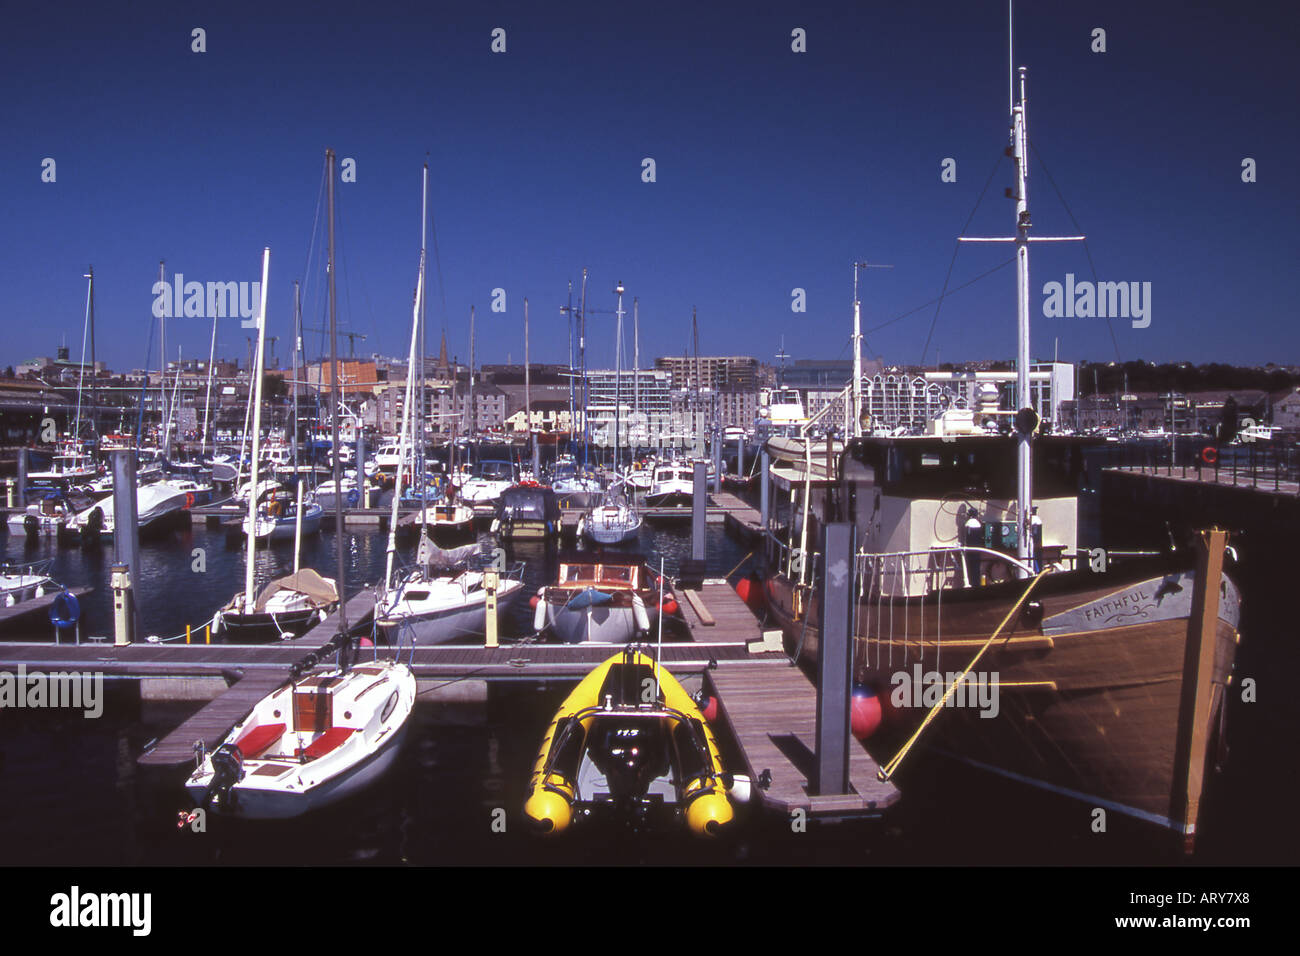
(629, 737)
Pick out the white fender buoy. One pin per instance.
(639, 613)
(539, 615)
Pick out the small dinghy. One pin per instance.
(312, 742)
(630, 741)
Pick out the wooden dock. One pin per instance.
(360, 609)
(34, 614)
(771, 707)
(213, 721)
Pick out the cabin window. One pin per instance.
(620, 574)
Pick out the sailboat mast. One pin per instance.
(297, 342)
(582, 360)
(473, 412)
(528, 399)
(618, 376)
(85, 334)
(402, 446)
(420, 415)
(257, 440)
(162, 361)
(1025, 435)
(336, 396)
(636, 362)
(207, 397)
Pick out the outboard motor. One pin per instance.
(92, 527)
(31, 527)
(631, 755)
(227, 770)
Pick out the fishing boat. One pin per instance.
(630, 741)
(1106, 682)
(527, 511)
(315, 741)
(599, 597)
(673, 486)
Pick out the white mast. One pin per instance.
(257, 429)
(406, 423)
(855, 427)
(207, 398)
(1026, 419)
(81, 375)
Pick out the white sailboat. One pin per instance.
(441, 599)
(319, 738)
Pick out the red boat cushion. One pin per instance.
(258, 739)
(326, 742)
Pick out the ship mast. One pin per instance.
(1026, 420)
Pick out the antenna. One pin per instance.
(1011, 59)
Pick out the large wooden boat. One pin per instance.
(1105, 685)
(981, 626)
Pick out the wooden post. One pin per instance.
(1195, 708)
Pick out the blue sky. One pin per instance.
(775, 171)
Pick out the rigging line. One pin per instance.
(952, 262)
(1088, 252)
(924, 305)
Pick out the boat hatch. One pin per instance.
(313, 712)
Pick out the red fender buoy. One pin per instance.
(532, 601)
(710, 709)
(669, 606)
(866, 713)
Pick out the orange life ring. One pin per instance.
(1209, 454)
(189, 500)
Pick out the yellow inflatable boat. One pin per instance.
(631, 740)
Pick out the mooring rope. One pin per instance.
(888, 770)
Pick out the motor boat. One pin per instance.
(603, 598)
(630, 741)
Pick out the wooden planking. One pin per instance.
(360, 608)
(24, 612)
(213, 721)
(771, 709)
(529, 661)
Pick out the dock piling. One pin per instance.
(835, 662)
(126, 547)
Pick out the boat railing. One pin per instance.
(40, 567)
